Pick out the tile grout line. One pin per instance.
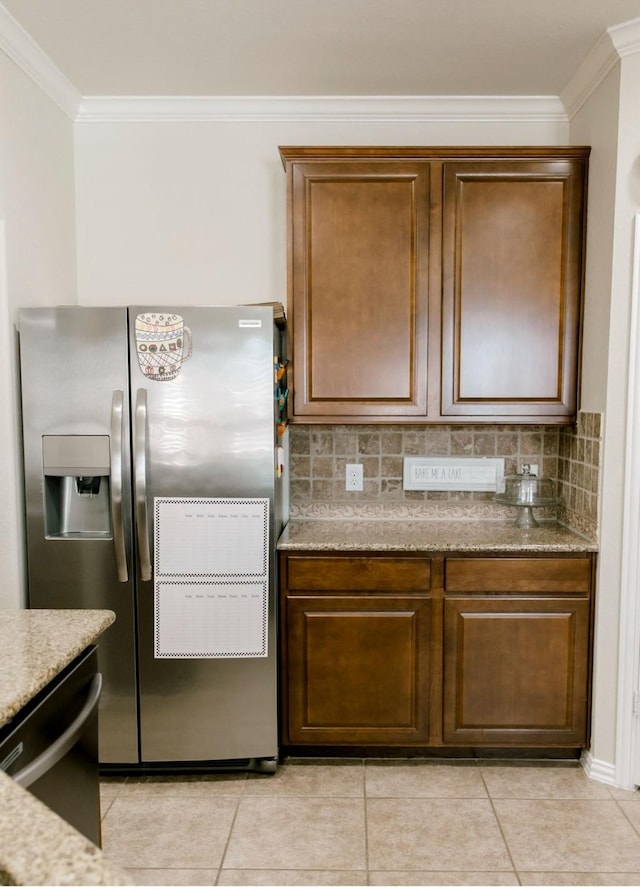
(233, 822)
(245, 791)
(621, 809)
(121, 785)
(231, 827)
(366, 822)
(499, 823)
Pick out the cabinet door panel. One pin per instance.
(512, 267)
(516, 671)
(360, 296)
(358, 669)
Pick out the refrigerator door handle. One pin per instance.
(117, 420)
(140, 484)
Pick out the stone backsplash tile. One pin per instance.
(579, 450)
(319, 454)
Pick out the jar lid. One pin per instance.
(528, 490)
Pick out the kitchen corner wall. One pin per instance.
(37, 267)
(319, 453)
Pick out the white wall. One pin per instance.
(194, 212)
(627, 203)
(37, 267)
(596, 124)
(609, 122)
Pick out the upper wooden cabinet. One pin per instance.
(359, 257)
(511, 287)
(435, 284)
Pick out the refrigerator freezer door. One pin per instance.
(206, 380)
(74, 365)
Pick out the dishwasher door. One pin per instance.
(51, 746)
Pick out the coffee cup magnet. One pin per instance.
(163, 342)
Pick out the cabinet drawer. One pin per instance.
(572, 575)
(358, 573)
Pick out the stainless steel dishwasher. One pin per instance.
(51, 746)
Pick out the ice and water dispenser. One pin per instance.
(76, 486)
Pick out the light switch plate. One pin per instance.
(453, 474)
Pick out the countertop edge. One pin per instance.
(430, 536)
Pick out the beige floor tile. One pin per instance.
(443, 879)
(569, 835)
(631, 808)
(174, 877)
(297, 833)
(578, 879)
(105, 806)
(430, 835)
(246, 877)
(427, 824)
(546, 783)
(156, 832)
(110, 790)
(423, 780)
(623, 794)
(309, 780)
(195, 785)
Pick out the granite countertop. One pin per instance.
(431, 535)
(36, 644)
(37, 847)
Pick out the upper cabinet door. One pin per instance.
(432, 284)
(512, 281)
(358, 271)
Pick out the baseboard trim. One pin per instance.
(599, 770)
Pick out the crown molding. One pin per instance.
(363, 109)
(615, 43)
(27, 55)
(626, 37)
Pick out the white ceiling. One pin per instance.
(319, 47)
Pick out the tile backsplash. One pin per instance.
(579, 472)
(319, 454)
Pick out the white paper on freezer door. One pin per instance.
(211, 571)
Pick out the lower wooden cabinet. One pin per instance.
(435, 651)
(358, 669)
(357, 650)
(517, 650)
(515, 671)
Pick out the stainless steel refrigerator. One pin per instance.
(154, 460)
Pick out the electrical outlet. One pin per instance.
(533, 469)
(354, 479)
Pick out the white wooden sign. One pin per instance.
(453, 474)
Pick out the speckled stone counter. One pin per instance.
(37, 847)
(36, 644)
(430, 535)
